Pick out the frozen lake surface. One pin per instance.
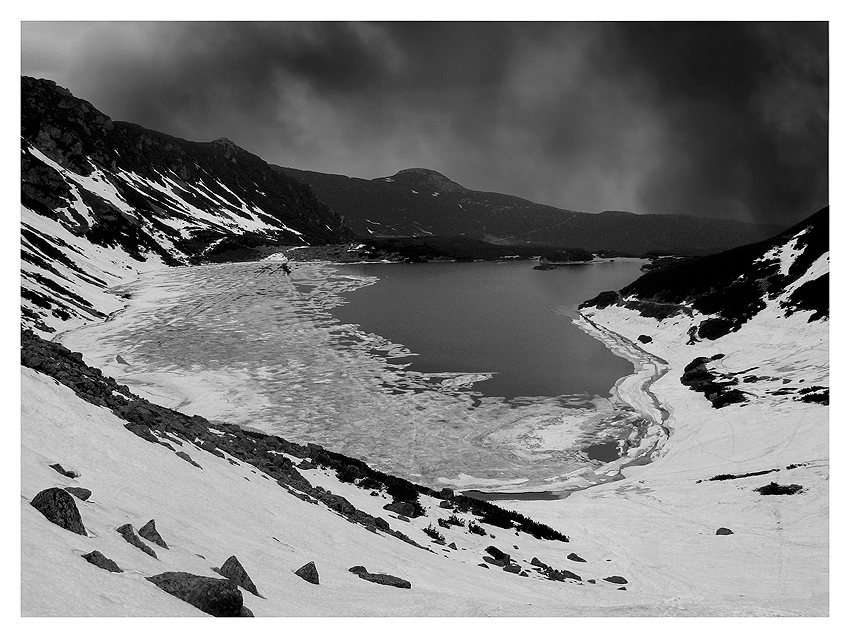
(504, 393)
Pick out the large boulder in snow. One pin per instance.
(723, 531)
(59, 508)
(214, 596)
(80, 492)
(403, 508)
(69, 473)
(381, 579)
(148, 531)
(99, 560)
(309, 573)
(617, 580)
(233, 570)
(575, 557)
(129, 534)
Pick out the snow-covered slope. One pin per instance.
(103, 201)
(754, 412)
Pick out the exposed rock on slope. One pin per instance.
(102, 199)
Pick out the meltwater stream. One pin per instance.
(466, 375)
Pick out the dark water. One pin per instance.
(493, 317)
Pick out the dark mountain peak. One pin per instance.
(423, 177)
(227, 144)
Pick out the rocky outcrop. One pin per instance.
(129, 534)
(575, 557)
(723, 531)
(309, 573)
(233, 570)
(59, 508)
(215, 596)
(617, 580)
(187, 458)
(99, 560)
(149, 532)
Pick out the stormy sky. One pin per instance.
(709, 119)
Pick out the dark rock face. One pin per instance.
(69, 473)
(214, 596)
(80, 492)
(148, 531)
(99, 560)
(575, 557)
(233, 570)
(617, 580)
(309, 573)
(59, 508)
(723, 531)
(129, 535)
(381, 579)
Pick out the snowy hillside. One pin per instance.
(103, 201)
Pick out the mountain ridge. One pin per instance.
(420, 202)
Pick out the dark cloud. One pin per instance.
(726, 120)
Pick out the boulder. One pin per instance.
(309, 573)
(617, 580)
(245, 612)
(129, 535)
(380, 523)
(187, 458)
(233, 570)
(80, 492)
(403, 508)
(452, 545)
(214, 596)
(99, 560)
(63, 471)
(380, 579)
(306, 465)
(723, 531)
(59, 508)
(575, 557)
(538, 563)
(513, 568)
(446, 505)
(358, 569)
(497, 553)
(148, 531)
(446, 493)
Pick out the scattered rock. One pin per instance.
(723, 531)
(99, 560)
(358, 569)
(446, 505)
(381, 579)
(617, 580)
(484, 565)
(187, 458)
(80, 492)
(512, 568)
(129, 535)
(403, 518)
(233, 570)
(64, 472)
(380, 523)
(538, 563)
(148, 531)
(575, 557)
(592, 581)
(774, 489)
(309, 573)
(452, 545)
(59, 508)
(214, 596)
(621, 588)
(524, 573)
(645, 339)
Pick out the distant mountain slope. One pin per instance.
(418, 201)
(103, 199)
(726, 290)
